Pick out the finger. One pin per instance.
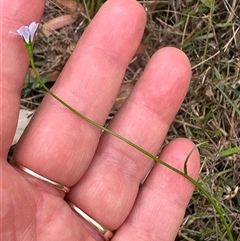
(161, 203)
(57, 144)
(14, 63)
(117, 169)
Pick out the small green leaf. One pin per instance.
(207, 3)
(229, 151)
(217, 133)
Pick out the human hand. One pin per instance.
(103, 172)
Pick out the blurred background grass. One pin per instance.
(208, 32)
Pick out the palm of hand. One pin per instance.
(35, 214)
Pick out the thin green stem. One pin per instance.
(184, 174)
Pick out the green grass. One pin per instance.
(209, 33)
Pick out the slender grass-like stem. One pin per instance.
(184, 174)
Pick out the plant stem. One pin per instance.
(184, 174)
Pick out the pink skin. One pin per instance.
(104, 172)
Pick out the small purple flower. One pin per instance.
(28, 32)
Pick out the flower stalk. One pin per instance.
(28, 33)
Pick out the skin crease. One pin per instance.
(104, 172)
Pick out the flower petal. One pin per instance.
(27, 32)
(24, 32)
(32, 29)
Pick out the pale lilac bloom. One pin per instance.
(28, 32)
